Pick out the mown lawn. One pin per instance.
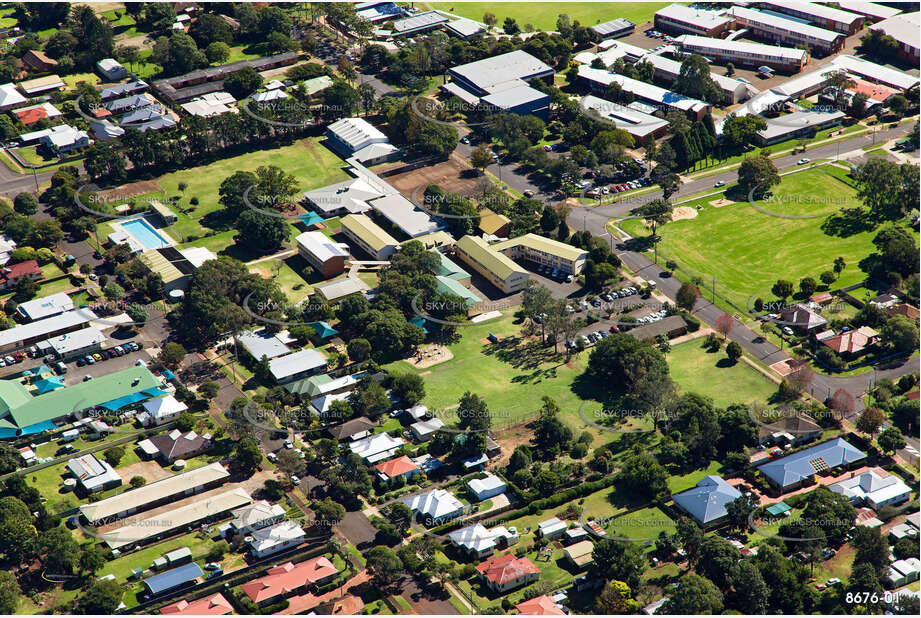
(747, 250)
(311, 163)
(709, 373)
(512, 376)
(543, 16)
(122, 567)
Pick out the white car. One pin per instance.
(295, 480)
(719, 183)
(803, 161)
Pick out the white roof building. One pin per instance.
(480, 540)
(552, 527)
(320, 246)
(269, 95)
(635, 123)
(377, 447)
(347, 197)
(54, 324)
(263, 344)
(10, 97)
(356, 137)
(93, 474)
(436, 505)
(163, 409)
(276, 538)
(322, 403)
(487, 487)
(7, 245)
(67, 344)
(664, 99)
(405, 216)
(46, 306)
(423, 430)
(876, 488)
(211, 104)
(283, 368)
(257, 515)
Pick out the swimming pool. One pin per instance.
(145, 234)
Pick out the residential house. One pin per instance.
(348, 605)
(579, 554)
(11, 275)
(875, 488)
(93, 475)
(399, 467)
(168, 447)
(34, 113)
(852, 343)
(172, 580)
(355, 429)
(795, 430)
(298, 365)
(801, 317)
(213, 605)
(435, 507)
(39, 62)
(289, 578)
(275, 538)
(256, 516)
(10, 97)
(504, 573)
(111, 69)
(486, 487)
(540, 606)
(376, 447)
(551, 529)
(424, 430)
(792, 471)
(707, 501)
(481, 542)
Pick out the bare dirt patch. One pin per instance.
(453, 175)
(428, 355)
(130, 190)
(508, 439)
(721, 202)
(150, 470)
(486, 341)
(683, 212)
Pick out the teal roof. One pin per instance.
(324, 330)
(450, 269)
(310, 219)
(47, 385)
(778, 509)
(451, 286)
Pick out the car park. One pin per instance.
(89, 359)
(98, 357)
(568, 278)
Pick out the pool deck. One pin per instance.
(120, 226)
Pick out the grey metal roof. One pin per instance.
(513, 97)
(486, 74)
(173, 579)
(793, 468)
(613, 26)
(707, 502)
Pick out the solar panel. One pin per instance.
(819, 464)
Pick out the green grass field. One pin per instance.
(747, 250)
(543, 15)
(311, 163)
(697, 371)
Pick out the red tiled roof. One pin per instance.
(396, 467)
(215, 605)
(913, 395)
(346, 606)
(540, 606)
(821, 297)
(11, 272)
(851, 341)
(877, 92)
(503, 569)
(100, 112)
(285, 579)
(29, 116)
(904, 309)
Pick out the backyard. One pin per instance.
(697, 371)
(728, 242)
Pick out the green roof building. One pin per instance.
(22, 413)
(495, 267)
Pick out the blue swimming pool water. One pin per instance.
(145, 234)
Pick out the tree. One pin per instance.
(828, 277)
(782, 289)
(171, 354)
(884, 186)
(643, 474)
(178, 54)
(510, 26)
(687, 296)
(9, 593)
(730, 69)
(243, 83)
(368, 397)
(61, 552)
(113, 455)
(807, 286)
(622, 365)
(617, 560)
(101, 599)
(359, 350)
(694, 80)
(734, 351)
(262, 231)
(247, 456)
(91, 560)
(10, 459)
(657, 212)
(901, 333)
(757, 175)
(872, 548)
(870, 420)
(384, 565)
(25, 204)
(489, 19)
(208, 390)
(842, 402)
(217, 52)
(137, 481)
(695, 595)
(327, 514)
(717, 561)
(481, 157)
(750, 592)
(409, 387)
(615, 599)
(891, 440)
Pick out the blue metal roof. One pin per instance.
(173, 579)
(707, 502)
(793, 468)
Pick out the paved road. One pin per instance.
(595, 219)
(13, 183)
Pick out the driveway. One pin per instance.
(356, 527)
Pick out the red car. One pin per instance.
(614, 328)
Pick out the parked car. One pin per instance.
(719, 183)
(89, 359)
(804, 161)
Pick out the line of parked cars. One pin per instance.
(119, 350)
(652, 317)
(553, 273)
(588, 339)
(12, 359)
(655, 34)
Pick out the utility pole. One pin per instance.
(713, 291)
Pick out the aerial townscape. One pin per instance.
(440, 308)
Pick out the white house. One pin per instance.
(876, 488)
(276, 538)
(92, 474)
(424, 430)
(61, 138)
(111, 69)
(486, 487)
(255, 516)
(482, 542)
(551, 528)
(377, 447)
(435, 506)
(358, 138)
(163, 409)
